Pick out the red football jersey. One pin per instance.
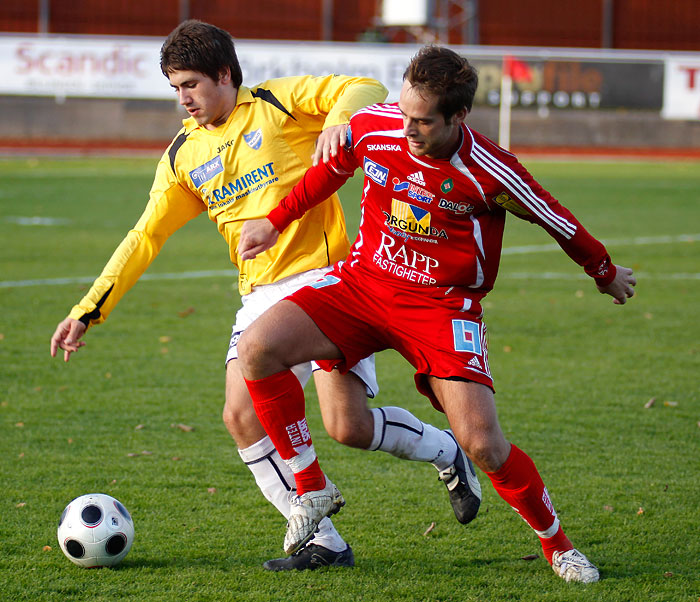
(437, 222)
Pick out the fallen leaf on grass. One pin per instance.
(670, 404)
(211, 489)
(164, 339)
(640, 511)
(164, 350)
(21, 455)
(186, 312)
(608, 508)
(175, 458)
(138, 427)
(143, 453)
(183, 427)
(21, 505)
(108, 375)
(429, 529)
(650, 403)
(529, 557)
(19, 424)
(668, 574)
(46, 549)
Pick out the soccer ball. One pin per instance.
(95, 530)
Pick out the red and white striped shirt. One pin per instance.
(437, 222)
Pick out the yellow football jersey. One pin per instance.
(237, 172)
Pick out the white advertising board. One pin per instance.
(119, 67)
(81, 66)
(682, 89)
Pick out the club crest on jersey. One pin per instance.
(253, 139)
(414, 192)
(206, 172)
(376, 172)
(505, 200)
(417, 178)
(447, 185)
(412, 220)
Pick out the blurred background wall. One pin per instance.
(621, 75)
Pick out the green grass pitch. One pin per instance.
(573, 374)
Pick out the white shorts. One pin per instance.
(265, 296)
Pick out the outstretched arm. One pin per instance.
(622, 286)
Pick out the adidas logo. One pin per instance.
(475, 363)
(417, 178)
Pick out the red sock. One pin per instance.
(279, 402)
(519, 484)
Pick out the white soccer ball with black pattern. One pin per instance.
(95, 530)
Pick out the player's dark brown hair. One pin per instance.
(444, 73)
(197, 46)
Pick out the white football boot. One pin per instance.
(574, 566)
(306, 511)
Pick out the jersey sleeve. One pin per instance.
(338, 97)
(525, 198)
(170, 206)
(319, 183)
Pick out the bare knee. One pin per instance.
(487, 450)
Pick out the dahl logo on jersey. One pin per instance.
(205, 172)
(504, 200)
(457, 208)
(376, 172)
(417, 178)
(253, 139)
(447, 185)
(412, 220)
(414, 192)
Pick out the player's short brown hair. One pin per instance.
(442, 72)
(197, 46)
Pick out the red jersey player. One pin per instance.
(434, 203)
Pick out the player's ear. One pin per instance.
(460, 116)
(225, 76)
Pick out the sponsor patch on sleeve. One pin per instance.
(506, 201)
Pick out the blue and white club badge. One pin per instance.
(253, 139)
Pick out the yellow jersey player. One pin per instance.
(239, 152)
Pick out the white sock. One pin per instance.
(401, 434)
(276, 481)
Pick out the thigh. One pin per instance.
(280, 338)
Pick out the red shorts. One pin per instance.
(438, 330)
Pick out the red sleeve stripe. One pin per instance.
(512, 180)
